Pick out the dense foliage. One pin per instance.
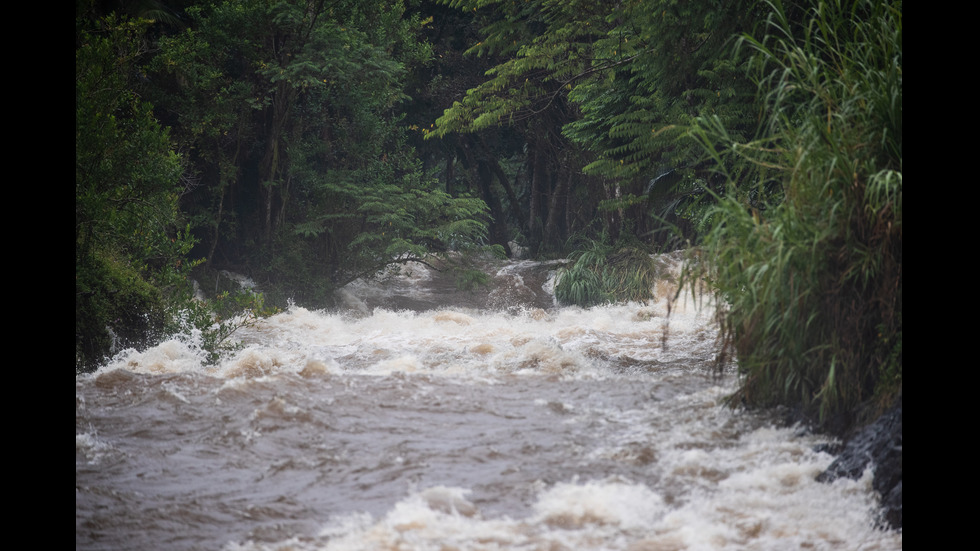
(273, 134)
(615, 86)
(291, 113)
(812, 272)
(129, 248)
(308, 143)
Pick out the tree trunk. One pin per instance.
(481, 174)
(539, 190)
(498, 226)
(557, 206)
(514, 203)
(269, 165)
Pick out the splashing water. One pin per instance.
(422, 417)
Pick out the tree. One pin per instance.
(485, 165)
(292, 112)
(614, 84)
(552, 167)
(128, 246)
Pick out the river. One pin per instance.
(424, 418)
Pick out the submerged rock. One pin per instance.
(880, 445)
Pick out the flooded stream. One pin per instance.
(419, 417)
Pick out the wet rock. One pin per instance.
(879, 445)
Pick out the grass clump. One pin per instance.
(602, 273)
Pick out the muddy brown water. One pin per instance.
(419, 417)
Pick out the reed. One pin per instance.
(812, 278)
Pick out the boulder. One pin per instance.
(880, 446)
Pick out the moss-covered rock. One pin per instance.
(115, 308)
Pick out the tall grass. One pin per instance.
(813, 283)
(601, 273)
